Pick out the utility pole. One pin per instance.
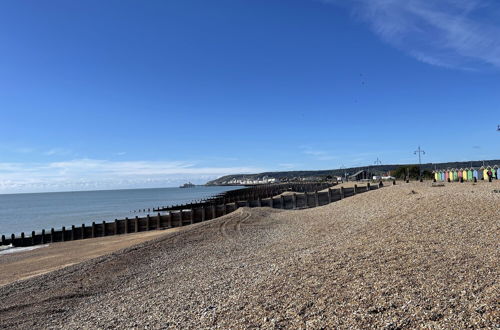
(377, 162)
(342, 167)
(420, 152)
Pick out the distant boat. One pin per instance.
(187, 185)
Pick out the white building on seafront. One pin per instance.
(244, 181)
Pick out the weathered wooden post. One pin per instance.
(294, 200)
(203, 213)
(368, 186)
(63, 233)
(93, 230)
(355, 188)
(181, 220)
(271, 203)
(3, 239)
(148, 222)
(158, 221)
(380, 184)
(12, 238)
(116, 227)
(191, 216)
(329, 195)
(126, 225)
(32, 238)
(72, 236)
(43, 236)
(169, 219)
(83, 231)
(22, 239)
(136, 224)
(316, 198)
(282, 202)
(52, 231)
(103, 228)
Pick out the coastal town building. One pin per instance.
(244, 181)
(360, 175)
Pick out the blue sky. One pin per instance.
(121, 94)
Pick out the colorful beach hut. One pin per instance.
(495, 172)
(485, 173)
(446, 175)
(470, 175)
(464, 174)
(475, 174)
(480, 173)
(436, 176)
(455, 175)
(460, 173)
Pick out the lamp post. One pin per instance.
(420, 152)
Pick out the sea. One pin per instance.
(37, 211)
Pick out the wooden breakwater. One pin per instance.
(183, 217)
(251, 193)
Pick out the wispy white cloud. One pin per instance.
(57, 152)
(23, 150)
(84, 174)
(318, 154)
(461, 34)
(287, 166)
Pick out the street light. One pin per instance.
(420, 152)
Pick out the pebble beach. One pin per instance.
(405, 256)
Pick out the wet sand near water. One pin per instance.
(46, 258)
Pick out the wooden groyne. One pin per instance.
(251, 193)
(197, 212)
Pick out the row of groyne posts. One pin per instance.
(300, 196)
(488, 173)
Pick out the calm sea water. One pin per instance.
(27, 212)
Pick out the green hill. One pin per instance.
(319, 174)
